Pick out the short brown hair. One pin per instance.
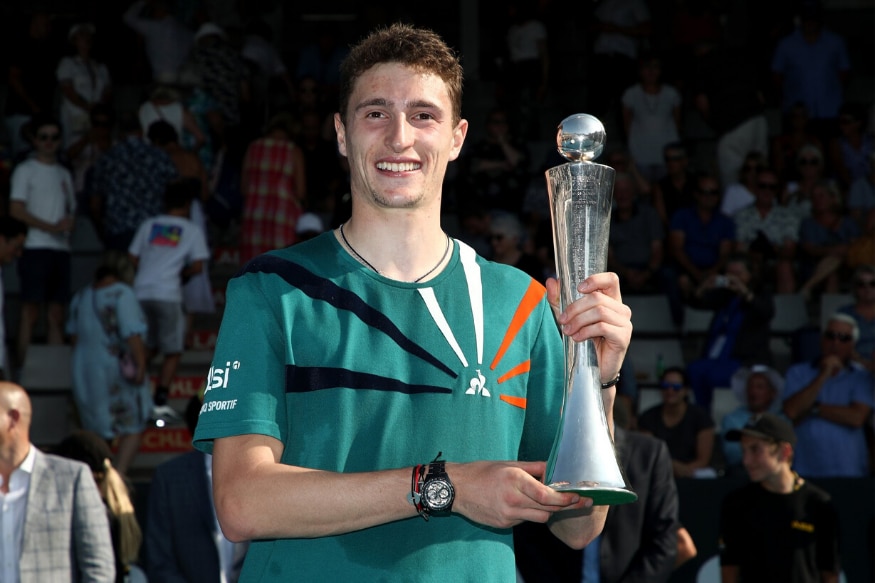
(418, 48)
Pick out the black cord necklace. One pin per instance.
(375, 270)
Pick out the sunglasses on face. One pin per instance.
(496, 237)
(768, 185)
(672, 386)
(865, 283)
(843, 338)
(53, 137)
(711, 192)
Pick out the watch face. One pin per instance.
(438, 494)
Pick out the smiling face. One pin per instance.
(399, 137)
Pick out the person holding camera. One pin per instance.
(739, 330)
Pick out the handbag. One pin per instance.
(127, 366)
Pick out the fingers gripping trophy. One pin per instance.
(583, 458)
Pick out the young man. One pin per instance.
(167, 250)
(44, 199)
(779, 527)
(346, 363)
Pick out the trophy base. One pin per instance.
(601, 495)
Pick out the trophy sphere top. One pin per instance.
(581, 138)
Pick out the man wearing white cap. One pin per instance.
(779, 527)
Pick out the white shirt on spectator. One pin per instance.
(48, 194)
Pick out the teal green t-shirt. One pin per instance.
(354, 372)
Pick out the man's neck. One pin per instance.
(402, 247)
(9, 462)
(783, 482)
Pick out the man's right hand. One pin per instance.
(504, 494)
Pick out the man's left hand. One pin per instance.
(599, 314)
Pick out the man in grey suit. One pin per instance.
(51, 506)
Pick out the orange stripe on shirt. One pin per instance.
(515, 401)
(519, 369)
(530, 300)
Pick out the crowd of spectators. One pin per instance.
(230, 143)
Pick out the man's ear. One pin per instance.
(340, 130)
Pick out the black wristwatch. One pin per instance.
(437, 490)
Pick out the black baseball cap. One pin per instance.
(767, 426)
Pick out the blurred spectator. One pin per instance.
(84, 152)
(861, 198)
(811, 66)
(758, 388)
(497, 165)
(167, 41)
(829, 402)
(225, 206)
(274, 184)
(729, 97)
(850, 153)
(167, 250)
(769, 233)
(326, 178)
(33, 57)
(221, 71)
(620, 160)
(43, 197)
(166, 104)
(12, 236)
(271, 84)
(795, 134)
(639, 541)
(528, 67)
(320, 59)
(740, 192)
(863, 311)
(183, 539)
(198, 290)
(678, 187)
(651, 117)
(89, 448)
(310, 97)
(811, 169)
(54, 501)
(635, 247)
(686, 428)
(739, 331)
(619, 27)
(106, 322)
(509, 245)
(779, 527)
(824, 238)
(128, 185)
(700, 241)
(84, 83)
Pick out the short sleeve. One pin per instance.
(131, 320)
(245, 387)
(19, 183)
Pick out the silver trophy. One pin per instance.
(583, 458)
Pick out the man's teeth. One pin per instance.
(402, 167)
